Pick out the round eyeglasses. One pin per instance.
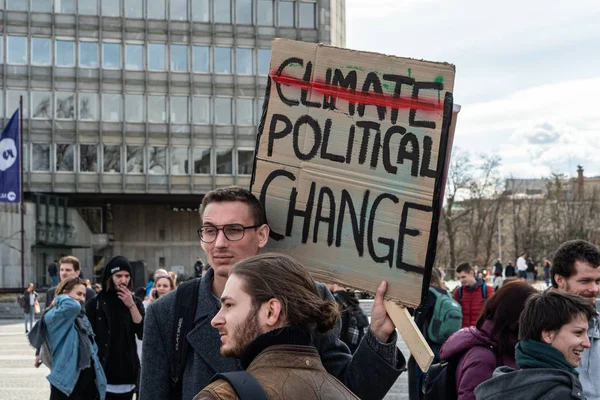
(233, 232)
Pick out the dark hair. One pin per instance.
(464, 267)
(564, 259)
(272, 275)
(235, 193)
(550, 311)
(110, 284)
(71, 260)
(68, 284)
(504, 309)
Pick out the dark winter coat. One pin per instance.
(509, 271)
(472, 301)
(478, 362)
(27, 297)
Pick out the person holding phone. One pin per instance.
(117, 318)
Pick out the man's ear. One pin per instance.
(273, 313)
(561, 281)
(263, 235)
(548, 336)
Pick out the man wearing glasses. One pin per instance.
(234, 228)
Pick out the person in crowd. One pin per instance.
(205, 269)
(76, 372)
(471, 295)
(522, 266)
(423, 317)
(198, 266)
(491, 343)
(355, 322)
(150, 284)
(233, 229)
(547, 266)
(552, 337)
(498, 270)
(117, 319)
(53, 273)
(575, 269)
(271, 310)
(97, 288)
(531, 270)
(69, 267)
(509, 271)
(29, 299)
(173, 276)
(88, 284)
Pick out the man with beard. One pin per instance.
(270, 311)
(117, 318)
(575, 269)
(233, 229)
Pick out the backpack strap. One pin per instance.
(186, 301)
(244, 384)
(460, 292)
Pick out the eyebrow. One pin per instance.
(225, 298)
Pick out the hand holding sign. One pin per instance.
(382, 325)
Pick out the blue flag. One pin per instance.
(10, 162)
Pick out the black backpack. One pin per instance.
(440, 383)
(244, 384)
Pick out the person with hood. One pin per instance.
(117, 318)
(471, 295)
(552, 337)
(477, 351)
(75, 371)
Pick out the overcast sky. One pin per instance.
(527, 72)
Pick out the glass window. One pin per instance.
(157, 108)
(40, 157)
(224, 162)
(135, 159)
(64, 6)
(200, 11)
(41, 5)
(134, 56)
(16, 50)
(111, 107)
(156, 9)
(264, 12)
(12, 102)
(88, 54)
(65, 53)
(243, 112)
(179, 58)
(260, 102)
(1, 103)
(201, 110)
(286, 13)
(16, 5)
(179, 110)
(40, 51)
(65, 105)
(243, 12)
(111, 55)
(222, 11)
(88, 158)
(223, 60)
(201, 59)
(307, 15)
(157, 160)
(179, 161)
(264, 59)
(111, 8)
(243, 60)
(88, 7)
(178, 10)
(134, 108)
(201, 161)
(41, 105)
(134, 9)
(112, 158)
(156, 56)
(222, 111)
(65, 157)
(245, 162)
(88, 106)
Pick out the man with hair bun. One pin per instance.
(271, 310)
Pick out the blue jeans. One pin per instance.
(29, 317)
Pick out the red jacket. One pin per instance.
(472, 302)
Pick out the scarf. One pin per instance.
(85, 338)
(534, 354)
(286, 335)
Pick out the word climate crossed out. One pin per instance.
(351, 162)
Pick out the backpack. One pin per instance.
(440, 382)
(446, 318)
(354, 322)
(186, 300)
(244, 385)
(483, 292)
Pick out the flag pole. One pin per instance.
(22, 199)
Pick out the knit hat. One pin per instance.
(116, 264)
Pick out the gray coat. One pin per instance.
(370, 373)
(590, 363)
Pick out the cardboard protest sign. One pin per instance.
(350, 164)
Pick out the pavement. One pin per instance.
(19, 380)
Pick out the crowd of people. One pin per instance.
(257, 326)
